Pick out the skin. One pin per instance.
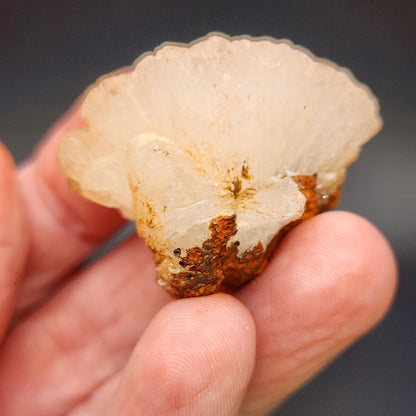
(106, 340)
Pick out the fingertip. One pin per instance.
(8, 185)
(333, 270)
(11, 210)
(6, 160)
(69, 121)
(374, 253)
(98, 221)
(348, 251)
(196, 354)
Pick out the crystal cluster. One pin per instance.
(216, 149)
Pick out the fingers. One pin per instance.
(82, 336)
(331, 279)
(65, 227)
(78, 340)
(14, 237)
(195, 358)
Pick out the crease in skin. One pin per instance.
(98, 401)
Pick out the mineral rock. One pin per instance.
(216, 149)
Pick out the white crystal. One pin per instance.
(169, 142)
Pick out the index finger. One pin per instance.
(65, 228)
(14, 239)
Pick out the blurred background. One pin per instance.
(51, 50)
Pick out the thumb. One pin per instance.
(14, 237)
(196, 358)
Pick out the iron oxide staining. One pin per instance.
(217, 263)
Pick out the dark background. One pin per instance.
(51, 50)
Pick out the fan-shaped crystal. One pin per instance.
(216, 148)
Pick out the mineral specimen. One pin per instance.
(216, 149)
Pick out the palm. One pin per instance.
(105, 339)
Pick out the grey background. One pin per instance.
(51, 50)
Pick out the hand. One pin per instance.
(106, 340)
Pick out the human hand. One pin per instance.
(106, 340)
